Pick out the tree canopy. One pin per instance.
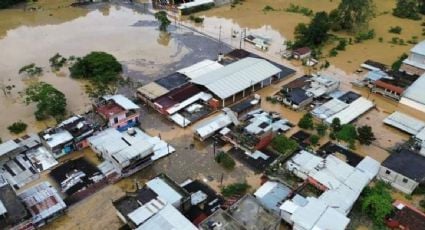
(50, 101)
(313, 34)
(284, 145)
(164, 22)
(98, 67)
(376, 201)
(408, 9)
(353, 15)
(365, 135)
(306, 122)
(6, 3)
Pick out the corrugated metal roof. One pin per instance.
(353, 111)
(8, 146)
(124, 102)
(235, 77)
(416, 91)
(405, 122)
(271, 193)
(198, 69)
(419, 48)
(152, 90)
(164, 190)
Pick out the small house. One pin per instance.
(301, 53)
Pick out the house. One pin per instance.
(79, 128)
(239, 79)
(147, 210)
(414, 95)
(245, 214)
(58, 141)
(387, 89)
(346, 107)
(43, 202)
(118, 111)
(297, 98)
(128, 151)
(12, 210)
(9, 150)
(341, 184)
(301, 53)
(415, 63)
(209, 127)
(322, 85)
(272, 194)
(246, 105)
(405, 216)
(404, 170)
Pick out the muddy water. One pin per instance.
(128, 35)
(250, 15)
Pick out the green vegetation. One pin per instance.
(397, 64)
(365, 135)
(408, 9)
(31, 70)
(163, 20)
(57, 62)
(376, 201)
(50, 101)
(395, 30)
(196, 19)
(314, 34)
(321, 129)
(314, 139)
(306, 122)
(225, 160)
(364, 35)
(284, 145)
(268, 8)
(352, 15)
(342, 43)
(235, 189)
(299, 9)
(348, 134)
(100, 68)
(17, 127)
(7, 3)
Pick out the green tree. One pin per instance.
(376, 201)
(365, 135)
(17, 127)
(225, 160)
(306, 122)
(314, 139)
(353, 15)
(313, 34)
(235, 189)
(407, 9)
(321, 129)
(336, 125)
(284, 145)
(6, 3)
(50, 101)
(347, 133)
(397, 64)
(164, 22)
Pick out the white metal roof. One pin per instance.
(179, 106)
(329, 108)
(340, 199)
(369, 166)
(209, 127)
(265, 188)
(236, 77)
(164, 190)
(198, 69)
(194, 3)
(146, 211)
(122, 101)
(8, 146)
(416, 91)
(331, 220)
(59, 138)
(307, 216)
(169, 218)
(353, 111)
(419, 48)
(405, 122)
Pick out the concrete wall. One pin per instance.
(396, 180)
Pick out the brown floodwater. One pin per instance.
(251, 16)
(33, 37)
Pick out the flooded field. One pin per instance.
(268, 23)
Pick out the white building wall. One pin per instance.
(396, 180)
(413, 104)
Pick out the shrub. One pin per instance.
(57, 62)
(299, 9)
(362, 36)
(31, 70)
(268, 8)
(306, 122)
(397, 64)
(333, 52)
(321, 129)
(314, 139)
(395, 30)
(235, 189)
(342, 43)
(284, 145)
(17, 127)
(196, 19)
(225, 160)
